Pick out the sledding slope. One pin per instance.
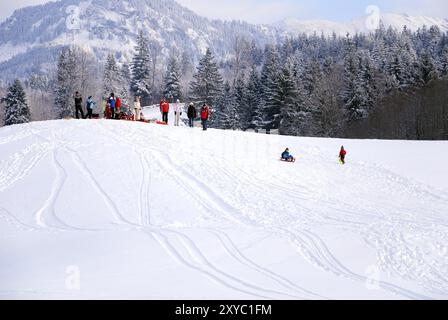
(114, 209)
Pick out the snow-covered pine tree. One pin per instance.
(207, 84)
(352, 94)
(401, 62)
(125, 73)
(125, 85)
(443, 64)
(226, 109)
(394, 73)
(286, 96)
(269, 112)
(141, 68)
(427, 69)
(379, 54)
(172, 87)
(287, 49)
(254, 54)
(309, 76)
(408, 57)
(434, 39)
(366, 84)
(111, 77)
(253, 95)
(65, 83)
(17, 110)
(243, 114)
(330, 117)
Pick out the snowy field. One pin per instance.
(113, 209)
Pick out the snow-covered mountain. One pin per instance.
(30, 38)
(396, 21)
(181, 213)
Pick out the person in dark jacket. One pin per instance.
(192, 114)
(286, 156)
(205, 113)
(78, 105)
(90, 104)
(112, 102)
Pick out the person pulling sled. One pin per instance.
(286, 156)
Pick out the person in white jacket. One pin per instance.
(177, 113)
(137, 108)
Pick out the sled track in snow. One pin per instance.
(321, 254)
(58, 185)
(236, 254)
(12, 220)
(195, 254)
(21, 135)
(21, 164)
(170, 249)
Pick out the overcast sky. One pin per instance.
(268, 11)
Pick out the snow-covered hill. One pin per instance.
(396, 21)
(112, 209)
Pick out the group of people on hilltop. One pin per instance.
(113, 108)
(90, 104)
(192, 113)
(204, 115)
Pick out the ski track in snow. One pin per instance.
(386, 226)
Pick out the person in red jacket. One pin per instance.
(342, 155)
(161, 106)
(205, 113)
(165, 108)
(118, 108)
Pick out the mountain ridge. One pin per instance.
(31, 37)
(106, 26)
(327, 27)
